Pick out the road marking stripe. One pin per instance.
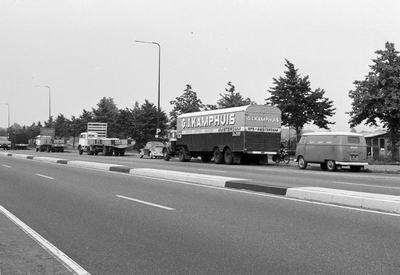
(43, 176)
(63, 258)
(145, 202)
(366, 185)
(6, 166)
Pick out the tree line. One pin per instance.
(375, 100)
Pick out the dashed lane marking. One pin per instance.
(145, 202)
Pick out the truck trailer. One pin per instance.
(246, 134)
(95, 141)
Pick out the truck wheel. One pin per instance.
(302, 163)
(323, 166)
(151, 155)
(355, 168)
(182, 155)
(218, 156)
(80, 151)
(165, 155)
(122, 153)
(141, 154)
(105, 151)
(331, 165)
(228, 156)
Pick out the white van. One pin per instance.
(332, 150)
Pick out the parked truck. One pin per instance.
(246, 134)
(5, 143)
(95, 141)
(46, 141)
(19, 141)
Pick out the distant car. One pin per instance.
(152, 149)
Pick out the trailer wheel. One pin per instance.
(228, 156)
(331, 165)
(218, 156)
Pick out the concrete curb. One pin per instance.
(387, 203)
(372, 201)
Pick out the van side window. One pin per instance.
(355, 140)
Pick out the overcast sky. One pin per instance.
(84, 50)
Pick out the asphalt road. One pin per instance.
(278, 174)
(114, 223)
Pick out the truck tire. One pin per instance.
(228, 156)
(302, 163)
(141, 154)
(218, 156)
(182, 155)
(105, 151)
(166, 155)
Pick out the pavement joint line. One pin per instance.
(49, 247)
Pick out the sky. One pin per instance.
(85, 50)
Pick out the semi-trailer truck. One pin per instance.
(246, 134)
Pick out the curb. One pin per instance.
(380, 202)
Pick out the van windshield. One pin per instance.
(355, 140)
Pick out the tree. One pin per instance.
(232, 98)
(107, 112)
(62, 126)
(377, 97)
(299, 104)
(186, 103)
(145, 122)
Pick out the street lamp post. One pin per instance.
(8, 114)
(48, 87)
(158, 130)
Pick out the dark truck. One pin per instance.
(19, 141)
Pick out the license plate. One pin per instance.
(354, 157)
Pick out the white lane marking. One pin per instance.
(366, 185)
(70, 264)
(145, 202)
(43, 176)
(6, 166)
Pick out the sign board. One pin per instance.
(98, 127)
(48, 132)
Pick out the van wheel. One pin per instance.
(302, 163)
(331, 165)
(228, 156)
(218, 156)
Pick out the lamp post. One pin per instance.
(48, 87)
(8, 114)
(158, 130)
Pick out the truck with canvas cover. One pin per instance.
(246, 134)
(46, 141)
(95, 141)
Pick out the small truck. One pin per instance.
(5, 143)
(19, 141)
(94, 141)
(46, 141)
(246, 134)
